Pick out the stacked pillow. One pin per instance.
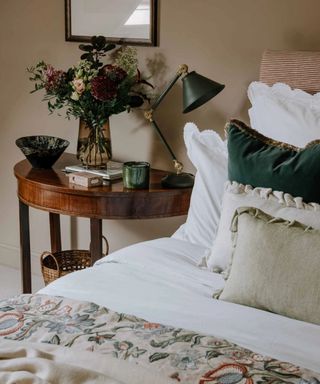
(288, 167)
(263, 232)
(258, 166)
(277, 204)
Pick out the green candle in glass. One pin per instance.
(136, 174)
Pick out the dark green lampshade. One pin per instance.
(197, 90)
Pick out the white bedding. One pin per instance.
(161, 281)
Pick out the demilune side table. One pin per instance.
(49, 190)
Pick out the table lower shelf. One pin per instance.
(96, 243)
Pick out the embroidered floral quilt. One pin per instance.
(184, 356)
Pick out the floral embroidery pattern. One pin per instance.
(227, 373)
(185, 356)
(10, 322)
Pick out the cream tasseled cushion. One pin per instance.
(274, 203)
(275, 266)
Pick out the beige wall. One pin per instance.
(222, 39)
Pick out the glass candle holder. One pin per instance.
(136, 174)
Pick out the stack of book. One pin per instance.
(113, 171)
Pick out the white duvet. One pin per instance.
(161, 281)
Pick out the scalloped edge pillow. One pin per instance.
(208, 153)
(284, 114)
(278, 204)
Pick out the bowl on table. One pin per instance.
(42, 151)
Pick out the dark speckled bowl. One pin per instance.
(42, 151)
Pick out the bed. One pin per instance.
(146, 313)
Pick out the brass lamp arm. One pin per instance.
(177, 164)
(182, 70)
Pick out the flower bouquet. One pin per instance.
(93, 91)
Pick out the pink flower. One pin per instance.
(79, 86)
(103, 88)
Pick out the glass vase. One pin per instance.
(94, 145)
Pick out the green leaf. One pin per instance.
(146, 83)
(93, 40)
(197, 340)
(158, 356)
(55, 340)
(136, 352)
(98, 42)
(6, 308)
(135, 101)
(212, 354)
(109, 47)
(87, 56)
(86, 47)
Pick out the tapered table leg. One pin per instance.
(96, 239)
(25, 247)
(55, 232)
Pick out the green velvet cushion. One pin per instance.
(262, 162)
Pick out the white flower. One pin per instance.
(75, 96)
(126, 58)
(79, 86)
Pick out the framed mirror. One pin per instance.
(132, 22)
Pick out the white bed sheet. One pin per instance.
(161, 281)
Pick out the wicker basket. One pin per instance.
(58, 264)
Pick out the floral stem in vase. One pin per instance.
(94, 145)
(92, 91)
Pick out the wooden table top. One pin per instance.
(50, 190)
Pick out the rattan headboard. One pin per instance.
(299, 69)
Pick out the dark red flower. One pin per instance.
(103, 88)
(114, 73)
(54, 79)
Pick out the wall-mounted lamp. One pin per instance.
(197, 90)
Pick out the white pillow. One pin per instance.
(284, 114)
(208, 153)
(277, 204)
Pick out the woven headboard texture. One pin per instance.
(299, 69)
